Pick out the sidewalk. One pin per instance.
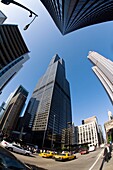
(108, 165)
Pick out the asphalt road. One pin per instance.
(91, 161)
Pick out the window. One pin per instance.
(12, 163)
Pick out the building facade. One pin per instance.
(102, 140)
(75, 14)
(108, 126)
(13, 52)
(104, 71)
(9, 119)
(2, 109)
(70, 136)
(110, 116)
(90, 119)
(49, 108)
(2, 17)
(88, 134)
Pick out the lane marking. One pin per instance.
(96, 160)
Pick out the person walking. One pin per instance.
(106, 153)
(106, 156)
(110, 150)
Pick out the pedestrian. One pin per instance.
(106, 153)
(110, 149)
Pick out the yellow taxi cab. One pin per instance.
(41, 153)
(48, 154)
(64, 157)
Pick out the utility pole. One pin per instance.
(69, 133)
(52, 133)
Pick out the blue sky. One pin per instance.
(44, 40)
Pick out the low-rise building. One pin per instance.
(88, 134)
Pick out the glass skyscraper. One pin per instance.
(104, 71)
(13, 110)
(13, 51)
(49, 109)
(70, 15)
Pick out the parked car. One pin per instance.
(4, 143)
(18, 149)
(91, 148)
(102, 145)
(84, 151)
(64, 157)
(9, 161)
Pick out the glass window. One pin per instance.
(11, 163)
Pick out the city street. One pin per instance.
(91, 161)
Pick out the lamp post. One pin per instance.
(52, 132)
(7, 2)
(21, 133)
(69, 128)
(43, 139)
(26, 27)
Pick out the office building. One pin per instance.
(102, 140)
(110, 115)
(71, 15)
(108, 126)
(2, 17)
(88, 132)
(13, 52)
(4, 105)
(70, 137)
(49, 109)
(104, 71)
(2, 108)
(13, 110)
(90, 119)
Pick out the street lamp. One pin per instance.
(26, 27)
(69, 128)
(52, 132)
(7, 2)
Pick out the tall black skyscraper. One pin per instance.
(49, 109)
(70, 15)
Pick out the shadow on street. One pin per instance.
(102, 164)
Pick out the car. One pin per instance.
(102, 145)
(91, 148)
(64, 157)
(84, 151)
(9, 161)
(41, 153)
(54, 154)
(17, 149)
(48, 154)
(4, 143)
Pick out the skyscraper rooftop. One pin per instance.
(104, 71)
(49, 108)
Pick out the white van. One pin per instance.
(91, 148)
